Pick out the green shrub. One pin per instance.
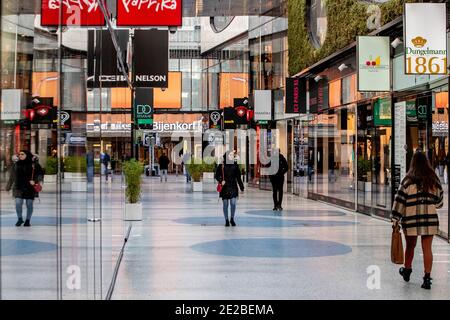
(197, 167)
(133, 171)
(52, 166)
(76, 164)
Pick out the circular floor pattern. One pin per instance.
(263, 222)
(297, 213)
(14, 247)
(273, 248)
(41, 221)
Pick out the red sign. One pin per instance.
(85, 13)
(133, 13)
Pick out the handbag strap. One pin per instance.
(223, 172)
(32, 173)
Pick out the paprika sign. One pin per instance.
(425, 38)
(149, 13)
(85, 13)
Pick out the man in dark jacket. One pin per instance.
(164, 165)
(277, 181)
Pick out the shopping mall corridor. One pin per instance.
(181, 250)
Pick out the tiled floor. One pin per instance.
(311, 251)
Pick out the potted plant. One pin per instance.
(51, 169)
(133, 171)
(75, 170)
(195, 168)
(365, 173)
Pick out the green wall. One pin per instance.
(346, 20)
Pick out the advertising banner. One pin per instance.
(151, 58)
(12, 103)
(295, 95)
(425, 35)
(84, 13)
(382, 112)
(374, 63)
(143, 108)
(133, 13)
(66, 120)
(263, 105)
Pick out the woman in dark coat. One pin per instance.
(22, 179)
(230, 179)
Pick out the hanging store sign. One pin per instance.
(425, 38)
(241, 109)
(151, 58)
(65, 120)
(85, 13)
(103, 61)
(295, 95)
(229, 118)
(382, 112)
(11, 104)
(143, 108)
(133, 13)
(42, 111)
(411, 112)
(263, 105)
(423, 103)
(215, 120)
(374, 63)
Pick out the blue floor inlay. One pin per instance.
(41, 221)
(297, 213)
(273, 248)
(263, 222)
(14, 247)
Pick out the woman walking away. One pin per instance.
(24, 175)
(229, 175)
(415, 205)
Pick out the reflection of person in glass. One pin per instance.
(415, 204)
(25, 174)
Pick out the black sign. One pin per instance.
(423, 104)
(41, 111)
(295, 95)
(241, 108)
(143, 108)
(65, 120)
(215, 120)
(229, 118)
(151, 58)
(103, 62)
(313, 96)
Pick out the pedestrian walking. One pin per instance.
(163, 165)
(24, 180)
(277, 181)
(414, 208)
(229, 176)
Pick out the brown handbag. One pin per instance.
(397, 253)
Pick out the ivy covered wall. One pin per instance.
(346, 20)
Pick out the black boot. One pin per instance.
(27, 223)
(232, 222)
(427, 281)
(19, 222)
(405, 273)
(227, 223)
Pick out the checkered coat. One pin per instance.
(416, 210)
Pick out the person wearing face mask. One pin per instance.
(229, 176)
(25, 173)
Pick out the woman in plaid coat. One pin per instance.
(415, 205)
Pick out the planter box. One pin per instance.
(133, 212)
(50, 178)
(75, 175)
(208, 176)
(197, 186)
(78, 186)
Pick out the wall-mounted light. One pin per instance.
(342, 67)
(396, 43)
(318, 78)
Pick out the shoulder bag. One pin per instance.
(219, 185)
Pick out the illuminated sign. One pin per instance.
(149, 13)
(85, 13)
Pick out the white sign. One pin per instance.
(425, 37)
(263, 105)
(177, 126)
(374, 63)
(11, 104)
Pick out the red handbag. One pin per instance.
(37, 187)
(219, 185)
